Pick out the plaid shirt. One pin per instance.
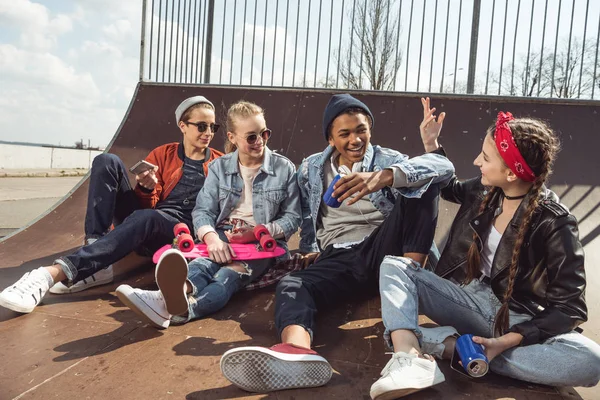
(278, 271)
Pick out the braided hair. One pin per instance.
(538, 144)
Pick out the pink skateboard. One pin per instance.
(266, 248)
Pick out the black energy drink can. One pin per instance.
(472, 356)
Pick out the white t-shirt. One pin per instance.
(489, 250)
(244, 210)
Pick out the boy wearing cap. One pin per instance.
(388, 207)
(143, 217)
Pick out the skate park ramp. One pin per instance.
(88, 345)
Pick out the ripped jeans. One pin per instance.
(569, 359)
(213, 285)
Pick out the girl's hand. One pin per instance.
(430, 127)
(495, 346)
(244, 234)
(218, 251)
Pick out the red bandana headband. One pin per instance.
(508, 148)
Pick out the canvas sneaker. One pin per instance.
(283, 366)
(171, 274)
(433, 338)
(405, 374)
(101, 277)
(149, 304)
(27, 293)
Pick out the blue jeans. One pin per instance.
(569, 359)
(213, 285)
(112, 200)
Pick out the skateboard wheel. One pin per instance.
(185, 242)
(259, 231)
(181, 228)
(268, 243)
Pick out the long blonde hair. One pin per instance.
(241, 109)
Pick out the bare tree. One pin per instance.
(568, 74)
(329, 82)
(524, 77)
(568, 71)
(373, 52)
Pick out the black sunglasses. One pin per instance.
(265, 135)
(203, 126)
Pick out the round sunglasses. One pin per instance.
(265, 135)
(203, 126)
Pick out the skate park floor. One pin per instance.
(90, 346)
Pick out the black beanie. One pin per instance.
(337, 105)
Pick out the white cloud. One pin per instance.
(39, 30)
(67, 75)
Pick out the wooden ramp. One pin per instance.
(88, 345)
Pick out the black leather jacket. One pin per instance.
(550, 281)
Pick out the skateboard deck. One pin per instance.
(243, 251)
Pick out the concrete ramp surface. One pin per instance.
(89, 345)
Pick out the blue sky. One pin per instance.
(68, 68)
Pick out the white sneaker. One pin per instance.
(433, 338)
(405, 374)
(101, 277)
(27, 293)
(171, 274)
(149, 304)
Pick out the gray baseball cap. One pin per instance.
(187, 103)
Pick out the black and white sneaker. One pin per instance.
(101, 277)
(27, 293)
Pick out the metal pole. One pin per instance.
(337, 79)
(433, 43)
(171, 38)
(408, 45)
(262, 64)
(143, 41)
(587, 7)
(209, 40)
(222, 42)
(555, 48)
(457, 46)
(528, 55)
(445, 46)
(421, 45)
(502, 52)
(487, 72)
(542, 50)
(275, 42)
(567, 80)
(512, 71)
(473, 51)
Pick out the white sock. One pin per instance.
(47, 275)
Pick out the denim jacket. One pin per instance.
(275, 196)
(428, 168)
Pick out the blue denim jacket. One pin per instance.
(275, 196)
(428, 168)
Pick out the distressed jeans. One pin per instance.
(568, 359)
(213, 285)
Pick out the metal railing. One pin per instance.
(536, 48)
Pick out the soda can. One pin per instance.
(472, 356)
(331, 201)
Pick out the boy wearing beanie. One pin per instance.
(388, 206)
(143, 216)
